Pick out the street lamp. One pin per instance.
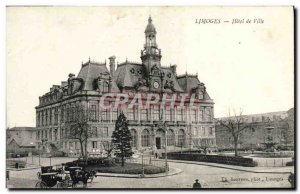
(166, 157)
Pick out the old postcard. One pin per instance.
(150, 97)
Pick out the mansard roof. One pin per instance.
(170, 76)
(189, 83)
(90, 71)
(128, 74)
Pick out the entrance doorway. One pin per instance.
(158, 143)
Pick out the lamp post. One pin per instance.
(166, 157)
(163, 124)
(143, 170)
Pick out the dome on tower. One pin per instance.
(150, 27)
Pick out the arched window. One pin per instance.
(170, 137)
(181, 138)
(145, 138)
(105, 87)
(134, 137)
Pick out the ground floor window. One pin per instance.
(134, 138)
(145, 138)
(170, 137)
(181, 138)
(94, 144)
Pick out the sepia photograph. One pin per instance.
(150, 97)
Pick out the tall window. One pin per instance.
(193, 115)
(171, 137)
(155, 113)
(210, 131)
(50, 116)
(168, 114)
(105, 115)
(50, 134)
(181, 138)
(201, 114)
(134, 138)
(94, 132)
(130, 114)
(145, 138)
(180, 112)
(46, 118)
(56, 116)
(62, 113)
(115, 114)
(93, 115)
(208, 113)
(67, 113)
(105, 132)
(94, 144)
(144, 114)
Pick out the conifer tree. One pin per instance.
(121, 138)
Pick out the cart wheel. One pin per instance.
(41, 185)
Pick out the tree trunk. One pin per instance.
(85, 151)
(123, 160)
(81, 148)
(236, 146)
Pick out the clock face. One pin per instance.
(155, 85)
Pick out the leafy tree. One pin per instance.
(121, 138)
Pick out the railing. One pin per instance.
(147, 160)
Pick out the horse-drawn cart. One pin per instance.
(69, 177)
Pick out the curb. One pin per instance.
(225, 167)
(173, 171)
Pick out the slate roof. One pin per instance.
(190, 82)
(127, 74)
(22, 129)
(90, 71)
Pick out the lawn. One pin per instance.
(129, 168)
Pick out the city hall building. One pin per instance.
(177, 126)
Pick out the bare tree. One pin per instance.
(202, 144)
(108, 147)
(79, 128)
(235, 125)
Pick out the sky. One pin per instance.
(246, 66)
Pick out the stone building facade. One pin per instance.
(276, 128)
(180, 122)
(21, 139)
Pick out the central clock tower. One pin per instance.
(151, 56)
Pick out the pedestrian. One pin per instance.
(196, 185)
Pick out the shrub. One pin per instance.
(231, 160)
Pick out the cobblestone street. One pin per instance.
(209, 176)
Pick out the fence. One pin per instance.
(147, 160)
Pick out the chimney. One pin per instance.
(112, 65)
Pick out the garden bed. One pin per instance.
(129, 168)
(230, 160)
